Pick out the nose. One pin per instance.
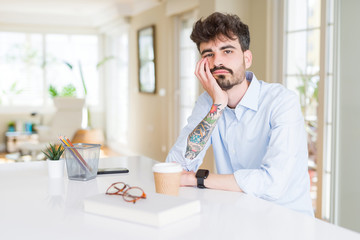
(217, 61)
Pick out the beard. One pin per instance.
(228, 81)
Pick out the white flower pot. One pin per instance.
(56, 168)
(67, 103)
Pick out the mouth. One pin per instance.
(218, 72)
(221, 70)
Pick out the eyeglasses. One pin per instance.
(129, 194)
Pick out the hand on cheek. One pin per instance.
(209, 83)
(200, 72)
(206, 65)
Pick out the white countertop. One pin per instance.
(33, 206)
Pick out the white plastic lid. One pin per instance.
(167, 167)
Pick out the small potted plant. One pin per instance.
(54, 161)
(11, 126)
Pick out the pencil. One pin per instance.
(75, 154)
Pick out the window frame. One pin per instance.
(177, 93)
(326, 140)
(47, 107)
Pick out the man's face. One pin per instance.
(227, 61)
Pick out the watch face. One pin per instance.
(202, 173)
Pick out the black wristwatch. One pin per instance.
(201, 174)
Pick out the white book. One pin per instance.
(156, 210)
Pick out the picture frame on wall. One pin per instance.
(146, 59)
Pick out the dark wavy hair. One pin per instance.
(218, 25)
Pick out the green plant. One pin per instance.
(26, 53)
(52, 91)
(98, 65)
(53, 153)
(67, 91)
(308, 90)
(11, 92)
(13, 89)
(11, 126)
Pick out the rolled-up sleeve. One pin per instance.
(177, 152)
(286, 153)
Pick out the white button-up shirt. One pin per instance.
(262, 142)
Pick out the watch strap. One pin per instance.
(201, 174)
(200, 183)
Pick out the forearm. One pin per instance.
(225, 182)
(198, 138)
(222, 182)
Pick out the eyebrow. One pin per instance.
(222, 48)
(206, 50)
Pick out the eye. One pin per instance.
(208, 55)
(228, 51)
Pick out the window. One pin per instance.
(309, 65)
(117, 90)
(80, 51)
(302, 69)
(31, 62)
(188, 84)
(328, 190)
(21, 79)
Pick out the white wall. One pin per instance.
(349, 115)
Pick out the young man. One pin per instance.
(256, 128)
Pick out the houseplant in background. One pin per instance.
(81, 74)
(67, 91)
(66, 98)
(67, 117)
(88, 134)
(9, 94)
(308, 90)
(54, 161)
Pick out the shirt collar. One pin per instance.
(251, 97)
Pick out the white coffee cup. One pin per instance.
(167, 178)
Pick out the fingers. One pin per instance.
(208, 72)
(203, 73)
(199, 71)
(208, 82)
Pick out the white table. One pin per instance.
(32, 206)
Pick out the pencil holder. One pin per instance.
(82, 161)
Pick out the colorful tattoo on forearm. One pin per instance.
(201, 134)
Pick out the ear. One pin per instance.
(248, 58)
